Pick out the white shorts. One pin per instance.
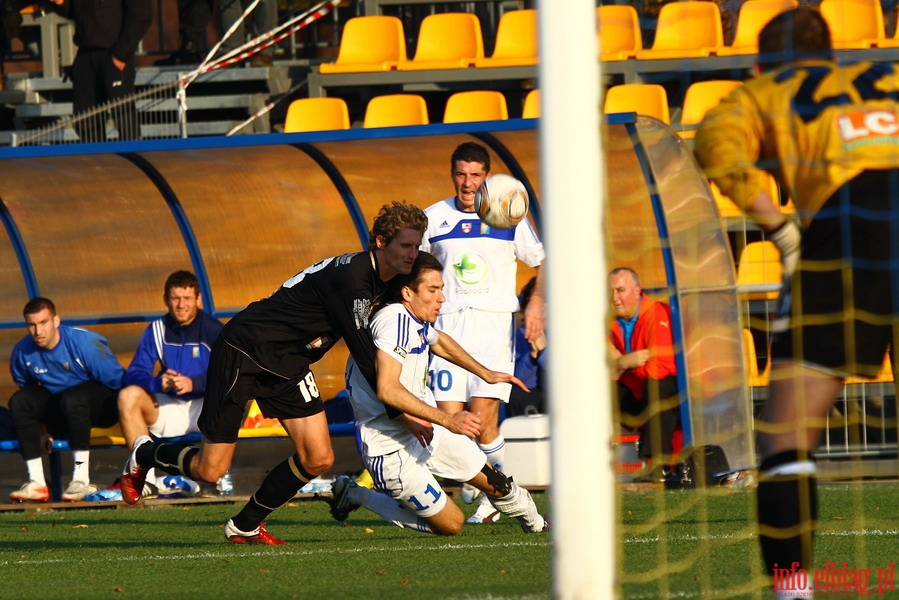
(176, 416)
(489, 338)
(409, 473)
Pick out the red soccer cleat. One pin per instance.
(133, 476)
(259, 536)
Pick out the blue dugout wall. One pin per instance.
(97, 228)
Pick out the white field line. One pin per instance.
(279, 552)
(629, 539)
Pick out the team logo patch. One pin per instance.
(466, 227)
(860, 127)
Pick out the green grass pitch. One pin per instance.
(673, 544)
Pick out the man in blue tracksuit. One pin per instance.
(166, 379)
(68, 380)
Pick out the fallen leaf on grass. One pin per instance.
(80, 526)
(369, 530)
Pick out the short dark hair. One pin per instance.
(181, 279)
(36, 305)
(424, 262)
(392, 218)
(470, 152)
(798, 34)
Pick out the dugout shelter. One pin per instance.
(98, 227)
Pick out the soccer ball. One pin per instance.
(501, 201)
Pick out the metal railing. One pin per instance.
(161, 111)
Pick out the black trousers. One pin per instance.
(656, 415)
(95, 81)
(69, 415)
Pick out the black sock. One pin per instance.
(278, 487)
(173, 459)
(786, 502)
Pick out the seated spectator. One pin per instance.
(167, 401)
(68, 380)
(642, 349)
(530, 367)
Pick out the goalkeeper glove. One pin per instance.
(788, 239)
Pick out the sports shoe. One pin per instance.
(469, 493)
(133, 476)
(77, 490)
(341, 506)
(486, 513)
(540, 526)
(257, 536)
(176, 486)
(31, 491)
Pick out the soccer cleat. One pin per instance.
(469, 493)
(175, 486)
(341, 506)
(486, 513)
(77, 490)
(257, 536)
(133, 476)
(31, 491)
(541, 524)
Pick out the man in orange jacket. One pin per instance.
(642, 349)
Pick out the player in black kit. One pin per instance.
(264, 353)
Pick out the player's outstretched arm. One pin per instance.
(393, 393)
(448, 348)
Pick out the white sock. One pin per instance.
(388, 508)
(496, 456)
(496, 453)
(36, 471)
(82, 460)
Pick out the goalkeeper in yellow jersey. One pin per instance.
(829, 133)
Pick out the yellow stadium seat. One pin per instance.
(853, 23)
(316, 114)
(700, 97)
(642, 98)
(885, 375)
(727, 209)
(516, 41)
(107, 435)
(618, 32)
(759, 264)
(478, 105)
(369, 43)
(531, 108)
(690, 29)
(447, 41)
(393, 110)
(753, 15)
(753, 377)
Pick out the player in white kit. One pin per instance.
(481, 298)
(404, 453)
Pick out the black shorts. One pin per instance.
(233, 379)
(843, 306)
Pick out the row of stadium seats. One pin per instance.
(394, 110)
(694, 29)
(445, 41)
